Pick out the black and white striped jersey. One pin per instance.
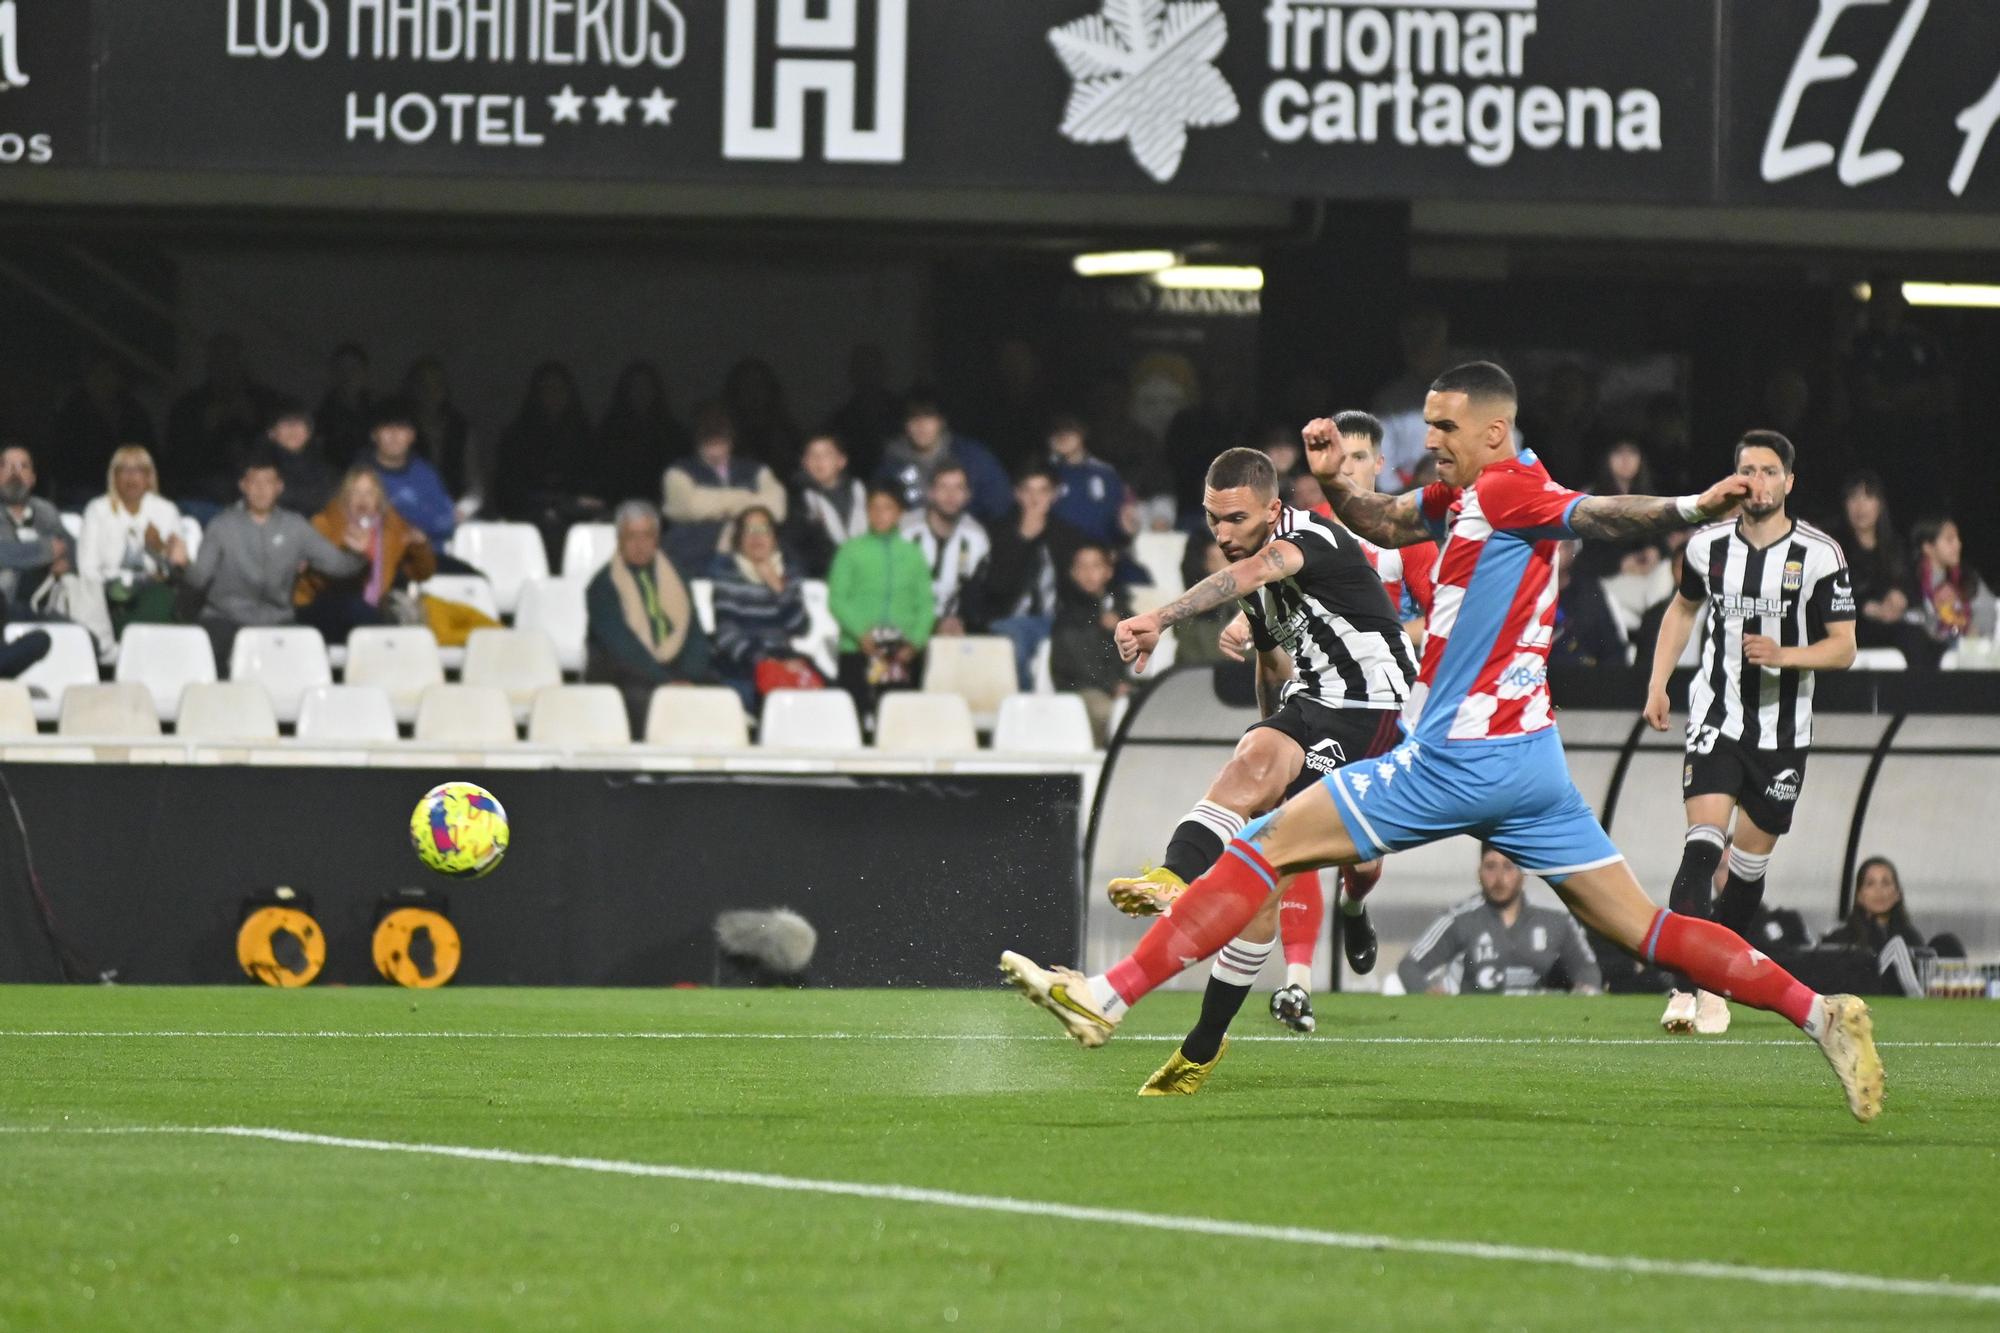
(1333, 619)
(1790, 590)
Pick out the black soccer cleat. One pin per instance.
(1293, 1007)
(1357, 941)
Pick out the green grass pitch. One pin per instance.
(1572, 1125)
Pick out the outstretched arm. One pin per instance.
(1612, 518)
(1137, 637)
(1386, 520)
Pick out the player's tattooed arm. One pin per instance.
(1277, 561)
(1623, 517)
(1386, 520)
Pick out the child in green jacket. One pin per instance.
(879, 591)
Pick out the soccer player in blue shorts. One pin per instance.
(1480, 755)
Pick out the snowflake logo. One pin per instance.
(1143, 73)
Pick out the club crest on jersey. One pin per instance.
(1687, 776)
(1325, 756)
(1795, 575)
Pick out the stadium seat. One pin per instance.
(519, 661)
(1159, 553)
(166, 659)
(580, 716)
(17, 710)
(508, 554)
(400, 660)
(465, 715)
(1880, 659)
(124, 711)
(821, 641)
(810, 720)
(1043, 724)
(555, 607)
(913, 723)
(702, 593)
(71, 660)
(707, 717)
(347, 713)
(287, 660)
(977, 668)
(235, 710)
(471, 590)
(587, 548)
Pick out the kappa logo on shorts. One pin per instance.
(1361, 782)
(1325, 756)
(1785, 786)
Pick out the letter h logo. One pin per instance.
(833, 71)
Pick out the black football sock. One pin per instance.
(1229, 980)
(1743, 891)
(1198, 842)
(1701, 853)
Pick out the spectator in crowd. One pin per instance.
(1090, 495)
(1500, 944)
(346, 415)
(1083, 656)
(361, 519)
(444, 436)
(1030, 547)
(1586, 632)
(879, 591)
(871, 414)
(704, 491)
(760, 608)
(1424, 336)
(123, 545)
(99, 415)
(1954, 600)
(642, 628)
(1198, 640)
(639, 435)
(211, 425)
(827, 505)
(301, 457)
(252, 555)
(756, 404)
(1879, 922)
(34, 548)
(1884, 590)
(928, 444)
(545, 470)
(412, 485)
(1623, 471)
(957, 550)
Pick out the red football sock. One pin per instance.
(1209, 915)
(1355, 882)
(1301, 916)
(1716, 959)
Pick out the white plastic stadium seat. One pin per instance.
(123, 712)
(519, 661)
(71, 660)
(913, 723)
(166, 659)
(235, 710)
(347, 713)
(508, 554)
(471, 590)
(702, 593)
(1880, 659)
(465, 715)
(587, 548)
(581, 716)
(401, 660)
(706, 717)
(287, 660)
(822, 637)
(810, 720)
(17, 710)
(1043, 724)
(978, 668)
(555, 607)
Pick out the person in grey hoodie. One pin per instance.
(251, 557)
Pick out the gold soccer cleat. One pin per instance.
(1064, 992)
(1847, 1036)
(1149, 894)
(1180, 1076)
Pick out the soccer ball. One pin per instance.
(459, 830)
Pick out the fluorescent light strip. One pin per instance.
(1947, 295)
(1213, 277)
(1123, 263)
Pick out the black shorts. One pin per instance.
(1332, 737)
(1764, 783)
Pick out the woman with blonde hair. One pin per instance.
(361, 519)
(131, 542)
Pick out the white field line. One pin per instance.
(1822, 1279)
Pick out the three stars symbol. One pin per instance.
(566, 107)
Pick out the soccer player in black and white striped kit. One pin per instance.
(1780, 607)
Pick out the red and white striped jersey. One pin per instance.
(1407, 575)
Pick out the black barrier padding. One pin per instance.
(612, 879)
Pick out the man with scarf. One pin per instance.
(642, 628)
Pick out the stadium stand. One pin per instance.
(166, 659)
(72, 660)
(556, 607)
(810, 720)
(121, 711)
(17, 711)
(697, 717)
(233, 710)
(509, 554)
(587, 548)
(287, 660)
(521, 662)
(347, 713)
(579, 717)
(912, 722)
(978, 668)
(1043, 724)
(468, 715)
(403, 661)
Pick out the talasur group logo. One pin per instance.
(1144, 73)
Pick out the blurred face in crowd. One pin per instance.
(1067, 445)
(261, 487)
(1360, 461)
(715, 450)
(756, 538)
(393, 442)
(1864, 509)
(925, 429)
(1090, 570)
(290, 433)
(1307, 493)
(1499, 879)
(363, 497)
(1879, 892)
(1946, 551)
(949, 493)
(1240, 518)
(1283, 453)
(17, 475)
(1464, 434)
(825, 461)
(1035, 494)
(1769, 482)
(1624, 462)
(885, 515)
(132, 479)
(638, 541)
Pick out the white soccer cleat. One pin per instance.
(1062, 991)
(1847, 1036)
(1711, 1014)
(1680, 1012)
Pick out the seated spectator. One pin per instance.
(928, 444)
(1090, 495)
(123, 545)
(1083, 658)
(642, 629)
(252, 555)
(1880, 924)
(34, 547)
(1029, 546)
(1586, 632)
(545, 472)
(879, 591)
(760, 608)
(639, 435)
(1198, 641)
(1954, 600)
(345, 415)
(827, 505)
(705, 491)
(444, 436)
(99, 415)
(1499, 944)
(302, 460)
(361, 519)
(956, 549)
(1624, 471)
(1885, 589)
(411, 485)
(211, 425)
